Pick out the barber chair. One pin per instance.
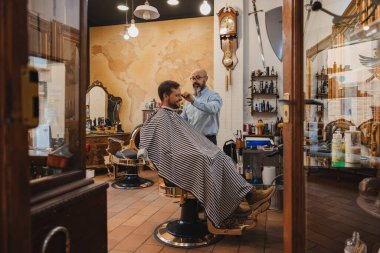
(189, 231)
(123, 160)
(192, 230)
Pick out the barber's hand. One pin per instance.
(188, 96)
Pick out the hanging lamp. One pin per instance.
(146, 11)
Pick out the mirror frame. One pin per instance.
(118, 100)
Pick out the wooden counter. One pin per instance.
(98, 144)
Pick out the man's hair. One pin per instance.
(166, 88)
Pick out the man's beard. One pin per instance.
(197, 89)
(174, 105)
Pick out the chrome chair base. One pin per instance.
(131, 179)
(178, 234)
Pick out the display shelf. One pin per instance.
(263, 78)
(273, 95)
(258, 112)
(267, 90)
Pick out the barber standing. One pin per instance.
(202, 109)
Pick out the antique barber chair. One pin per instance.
(123, 160)
(192, 230)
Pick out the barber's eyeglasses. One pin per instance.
(196, 78)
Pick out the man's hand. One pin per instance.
(188, 96)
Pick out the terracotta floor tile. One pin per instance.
(148, 210)
(139, 204)
(152, 240)
(118, 207)
(147, 228)
(205, 249)
(112, 243)
(114, 222)
(131, 242)
(149, 248)
(120, 251)
(136, 220)
(160, 217)
(111, 214)
(167, 249)
(134, 214)
(120, 232)
(127, 213)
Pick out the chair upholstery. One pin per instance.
(124, 158)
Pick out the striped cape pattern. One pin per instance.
(186, 158)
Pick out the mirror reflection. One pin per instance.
(102, 110)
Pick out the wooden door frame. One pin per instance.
(14, 178)
(294, 184)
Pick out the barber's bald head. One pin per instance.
(199, 78)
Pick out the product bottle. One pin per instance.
(355, 245)
(239, 166)
(272, 71)
(249, 174)
(352, 145)
(337, 150)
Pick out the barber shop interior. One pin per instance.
(247, 126)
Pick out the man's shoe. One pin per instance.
(256, 197)
(243, 209)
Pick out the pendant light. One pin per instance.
(205, 8)
(126, 26)
(132, 30)
(146, 11)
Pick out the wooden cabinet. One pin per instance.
(65, 41)
(39, 33)
(56, 218)
(98, 144)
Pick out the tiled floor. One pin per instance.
(133, 215)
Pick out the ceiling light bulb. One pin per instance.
(126, 36)
(146, 15)
(366, 28)
(133, 31)
(122, 7)
(172, 2)
(205, 8)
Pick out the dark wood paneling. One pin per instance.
(294, 190)
(83, 212)
(39, 32)
(14, 176)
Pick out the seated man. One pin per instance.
(188, 159)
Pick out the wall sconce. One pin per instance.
(146, 11)
(205, 8)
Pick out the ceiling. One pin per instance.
(104, 12)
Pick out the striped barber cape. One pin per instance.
(186, 158)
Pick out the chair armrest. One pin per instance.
(113, 139)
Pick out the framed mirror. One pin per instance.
(101, 105)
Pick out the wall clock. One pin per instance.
(228, 39)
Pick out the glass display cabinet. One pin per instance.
(67, 209)
(341, 128)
